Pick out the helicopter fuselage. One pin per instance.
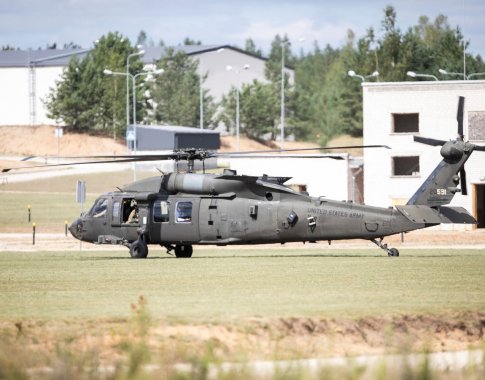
(189, 209)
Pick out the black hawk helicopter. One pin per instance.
(180, 210)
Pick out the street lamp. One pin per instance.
(467, 77)
(237, 71)
(352, 74)
(475, 75)
(202, 91)
(133, 78)
(416, 75)
(283, 44)
(282, 117)
(155, 72)
(138, 53)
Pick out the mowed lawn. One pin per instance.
(222, 283)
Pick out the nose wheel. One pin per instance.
(390, 251)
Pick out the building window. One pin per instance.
(405, 166)
(405, 122)
(476, 125)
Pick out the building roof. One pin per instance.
(61, 57)
(177, 129)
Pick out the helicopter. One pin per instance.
(181, 209)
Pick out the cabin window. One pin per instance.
(129, 211)
(116, 210)
(161, 212)
(405, 166)
(405, 122)
(99, 209)
(183, 212)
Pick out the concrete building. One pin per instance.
(316, 174)
(394, 113)
(26, 77)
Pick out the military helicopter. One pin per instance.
(179, 210)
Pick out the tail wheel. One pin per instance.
(183, 251)
(138, 249)
(393, 252)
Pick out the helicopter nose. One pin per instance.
(76, 228)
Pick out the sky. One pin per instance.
(36, 23)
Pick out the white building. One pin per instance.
(27, 76)
(316, 174)
(394, 113)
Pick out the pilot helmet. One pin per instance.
(133, 203)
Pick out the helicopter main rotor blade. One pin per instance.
(429, 141)
(464, 190)
(459, 116)
(195, 154)
(231, 155)
(189, 155)
(6, 170)
(303, 149)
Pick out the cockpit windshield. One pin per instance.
(99, 208)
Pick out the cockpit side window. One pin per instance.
(161, 211)
(183, 212)
(99, 209)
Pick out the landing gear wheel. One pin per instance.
(138, 249)
(390, 251)
(183, 251)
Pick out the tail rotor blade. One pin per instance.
(459, 116)
(464, 190)
(429, 141)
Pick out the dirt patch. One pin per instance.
(229, 144)
(41, 141)
(51, 238)
(270, 339)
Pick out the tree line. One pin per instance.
(322, 102)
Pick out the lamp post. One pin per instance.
(351, 73)
(416, 75)
(201, 117)
(155, 72)
(138, 53)
(237, 71)
(467, 77)
(282, 116)
(133, 78)
(475, 75)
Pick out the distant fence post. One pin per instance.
(80, 198)
(33, 233)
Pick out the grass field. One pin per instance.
(74, 313)
(225, 283)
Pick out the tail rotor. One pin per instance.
(452, 151)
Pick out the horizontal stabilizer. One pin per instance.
(436, 215)
(456, 215)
